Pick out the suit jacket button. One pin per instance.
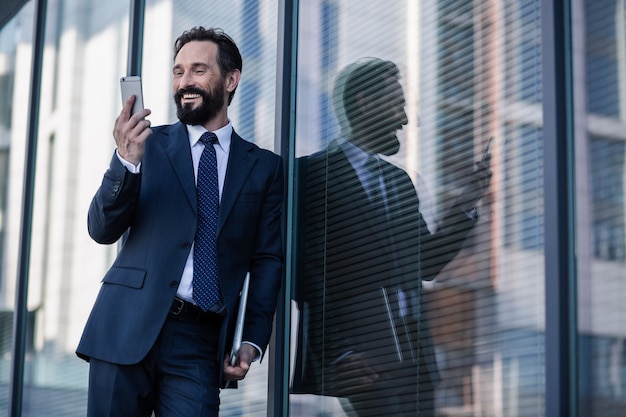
(185, 245)
(173, 284)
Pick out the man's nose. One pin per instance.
(186, 80)
(404, 118)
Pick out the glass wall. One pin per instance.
(78, 102)
(413, 300)
(405, 293)
(85, 55)
(253, 24)
(15, 65)
(600, 72)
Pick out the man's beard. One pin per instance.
(211, 104)
(387, 145)
(379, 136)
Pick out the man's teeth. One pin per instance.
(191, 96)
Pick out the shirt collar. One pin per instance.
(357, 156)
(223, 135)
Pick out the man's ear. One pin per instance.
(364, 103)
(232, 80)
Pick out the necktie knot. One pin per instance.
(209, 138)
(372, 166)
(372, 170)
(372, 183)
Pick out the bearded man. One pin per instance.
(203, 209)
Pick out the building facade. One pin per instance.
(526, 320)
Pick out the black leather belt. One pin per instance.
(189, 311)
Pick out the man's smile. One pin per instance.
(189, 97)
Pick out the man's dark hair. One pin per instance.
(228, 55)
(366, 78)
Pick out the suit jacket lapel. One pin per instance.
(240, 163)
(344, 177)
(176, 145)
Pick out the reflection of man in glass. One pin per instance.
(365, 249)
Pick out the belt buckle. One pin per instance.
(176, 310)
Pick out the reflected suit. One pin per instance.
(361, 266)
(364, 250)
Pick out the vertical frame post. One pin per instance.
(560, 266)
(20, 316)
(278, 392)
(135, 36)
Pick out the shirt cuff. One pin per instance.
(132, 168)
(472, 214)
(257, 348)
(341, 357)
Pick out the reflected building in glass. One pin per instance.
(468, 70)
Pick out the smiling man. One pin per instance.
(203, 209)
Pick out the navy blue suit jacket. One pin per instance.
(159, 208)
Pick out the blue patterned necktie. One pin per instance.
(206, 290)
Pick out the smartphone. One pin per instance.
(487, 154)
(131, 86)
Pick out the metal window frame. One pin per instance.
(560, 263)
(20, 316)
(278, 383)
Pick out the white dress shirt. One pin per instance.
(222, 150)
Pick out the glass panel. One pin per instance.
(402, 301)
(253, 26)
(85, 56)
(601, 227)
(77, 106)
(15, 64)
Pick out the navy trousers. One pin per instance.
(178, 377)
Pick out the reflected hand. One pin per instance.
(246, 355)
(476, 185)
(350, 374)
(131, 132)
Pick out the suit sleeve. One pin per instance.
(438, 249)
(113, 207)
(266, 267)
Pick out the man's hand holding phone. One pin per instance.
(478, 181)
(132, 130)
